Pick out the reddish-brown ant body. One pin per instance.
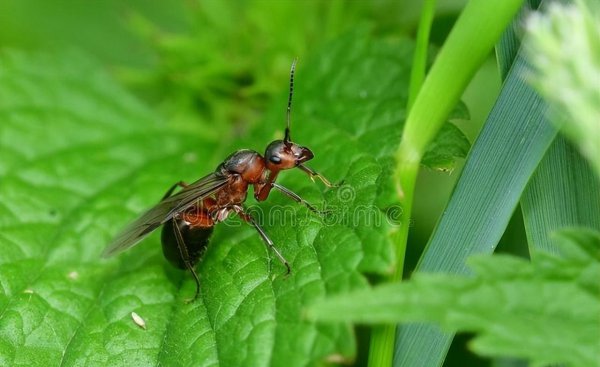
(188, 217)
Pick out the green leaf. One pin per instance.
(514, 306)
(81, 158)
(442, 152)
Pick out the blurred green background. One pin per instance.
(215, 65)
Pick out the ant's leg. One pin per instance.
(316, 174)
(249, 219)
(292, 195)
(170, 191)
(186, 257)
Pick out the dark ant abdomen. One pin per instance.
(195, 239)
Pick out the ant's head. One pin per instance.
(281, 154)
(285, 154)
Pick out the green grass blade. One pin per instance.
(508, 46)
(563, 192)
(505, 155)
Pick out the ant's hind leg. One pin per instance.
(172, 188)
(186, 260)
(249, 219)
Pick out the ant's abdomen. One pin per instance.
(195, 241)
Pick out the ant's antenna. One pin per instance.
(287, 138)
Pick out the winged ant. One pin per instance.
(189, 216)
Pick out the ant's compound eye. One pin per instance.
(275, 159)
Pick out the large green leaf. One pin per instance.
(546, 311)
(81, 158)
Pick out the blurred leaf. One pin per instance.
(195, 73)
(96, 26)
(549, 204)
(569, 84)
(514, 306)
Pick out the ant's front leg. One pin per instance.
(312, 173)
(292, 195)
(249, 219)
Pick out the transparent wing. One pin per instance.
(163, 211)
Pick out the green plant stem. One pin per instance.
(419, 65)
(381, 349)
(382, 337)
